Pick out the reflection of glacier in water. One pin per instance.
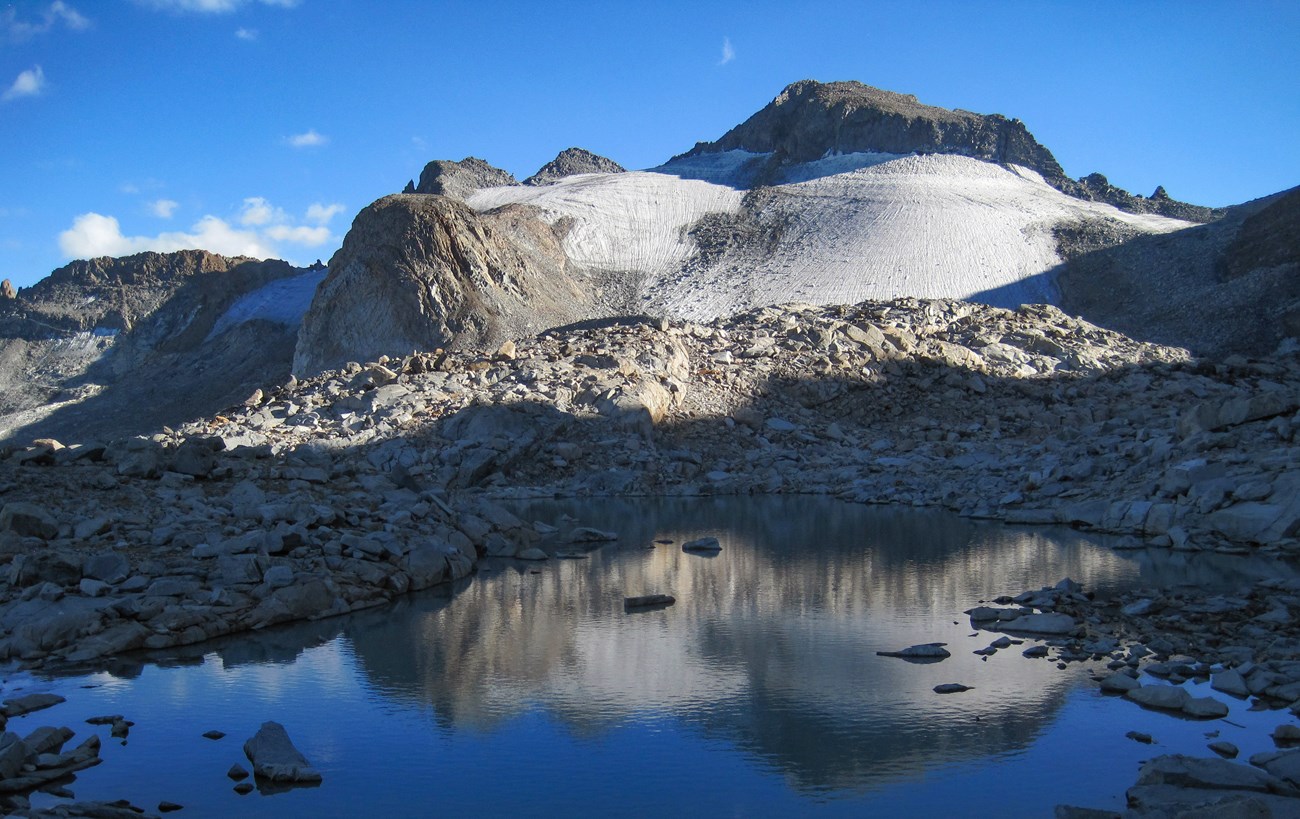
(760, 691)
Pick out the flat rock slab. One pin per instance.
(1205, 708)
(924, 653)
(1119, 683)
(18, 706)
(1282, 764)
(1054, 624)
(1209, 773)
(275, 758)
(951, 688)
(703, 544)
(648, 601)
(1167, 697)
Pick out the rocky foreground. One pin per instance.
(324, 496)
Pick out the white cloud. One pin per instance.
(257, 212)
(211, 6)
(94, 234)
(299, 234)
(54, 14)
(322, 214)
(248, 34)
(29, 83)
(310, 139)
(728, 53)
(164, 208)
(259, 229)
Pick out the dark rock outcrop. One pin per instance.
(459, 179)
(1097, 188)
(423, 272)
(810, 119)
(571, 162)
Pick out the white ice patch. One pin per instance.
(734, 168)
(833, 164)
(283, 301)
(634, 221)
(854, 227)
(933, 226)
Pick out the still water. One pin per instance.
(529, 691)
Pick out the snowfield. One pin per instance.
(839, 230)
(283, 301)
(634, 222)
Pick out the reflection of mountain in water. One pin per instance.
(771, 645)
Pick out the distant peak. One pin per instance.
(571, 162)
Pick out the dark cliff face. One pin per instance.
(809, 119)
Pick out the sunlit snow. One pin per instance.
(851, 227)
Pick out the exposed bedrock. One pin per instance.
(427, 272)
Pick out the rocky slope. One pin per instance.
(312, 498)
(1232, 286)
(116, 345)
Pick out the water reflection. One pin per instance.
(770, 646)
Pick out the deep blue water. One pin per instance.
(529, 691)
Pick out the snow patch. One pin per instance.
(833, 164)
(840, 230)
(283, 301)
(634, 221)
(734, 168)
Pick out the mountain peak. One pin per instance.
(810, 119)
(571, 162)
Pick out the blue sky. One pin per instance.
(263, 126)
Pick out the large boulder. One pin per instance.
(427, 272)
(274, 756)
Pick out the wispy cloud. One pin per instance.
(322, 214)
(55, 14)
(259, 229)
(164, 208)
(246, 34)
(211, 6)
(30, 83)
(310, 139)
(728, 53)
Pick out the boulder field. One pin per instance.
(325, 495)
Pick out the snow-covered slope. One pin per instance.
(634, 222)
(838, 230)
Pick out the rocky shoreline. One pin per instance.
(331, 494)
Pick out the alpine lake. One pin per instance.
(529, 690)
